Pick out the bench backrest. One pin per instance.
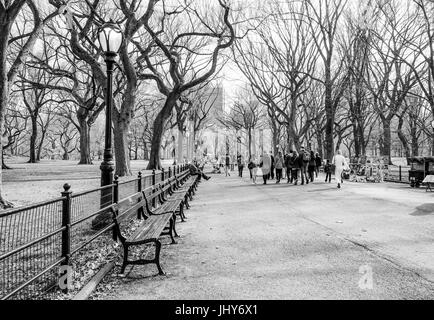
(140, 204)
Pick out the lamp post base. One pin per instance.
(106, 199)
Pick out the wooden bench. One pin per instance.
(429, 180)
(168, 195)
(189, 187)
(155, 223)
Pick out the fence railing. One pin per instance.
(39, 241)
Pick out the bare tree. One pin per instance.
(246, 114)
(15, 47)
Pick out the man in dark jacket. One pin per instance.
(289, 162)
(304, 162)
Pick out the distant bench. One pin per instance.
(429, 180)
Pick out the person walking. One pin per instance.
(240, 164)
(304, 159)
(272, 167)
(252, 168)
(279, 166)
(340, 164)
(318, 163)
(227, 166)
(266, 167)
(328, 171)
(311, 166)
(288, 164)
(295, 167)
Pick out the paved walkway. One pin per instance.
(244, 241)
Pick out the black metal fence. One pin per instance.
(36, 240)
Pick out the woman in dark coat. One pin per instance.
(312, 165)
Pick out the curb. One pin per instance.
(89, 288)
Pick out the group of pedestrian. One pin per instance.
(300, 167)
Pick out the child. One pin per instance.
(328, 171)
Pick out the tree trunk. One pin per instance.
(33, 137)
(414, 140)
(320, 142)
(275, 136)
(249, 139)
(85, 157)
(179, 150)
(329, 139)
(158, 130)
(403, 138)
(65, 154)
(122, 159)
(356, 137)
(145, 151)
(387, 140)
(5, 26)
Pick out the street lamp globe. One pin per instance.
(110, 38)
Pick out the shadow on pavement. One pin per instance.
(424, 210)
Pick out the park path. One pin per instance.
(244, 241)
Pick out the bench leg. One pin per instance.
(157, 257)
(187, 205)
(171, 228)
(174, 228)
(125, 262)
(181, 212)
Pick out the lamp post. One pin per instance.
(110, 40)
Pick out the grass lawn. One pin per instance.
(28, 183)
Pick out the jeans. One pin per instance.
(294, 175)
(328, 177)
(303, 172)
(278, 174)
(311, 171)
(240, 171)
(289, 174)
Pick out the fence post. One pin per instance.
(162, 174)
(170, 172)
(66, 233)
(139, 187)
(116, 189)
(115, 200)
(153, 187)
(139, 183)
(400, 174)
